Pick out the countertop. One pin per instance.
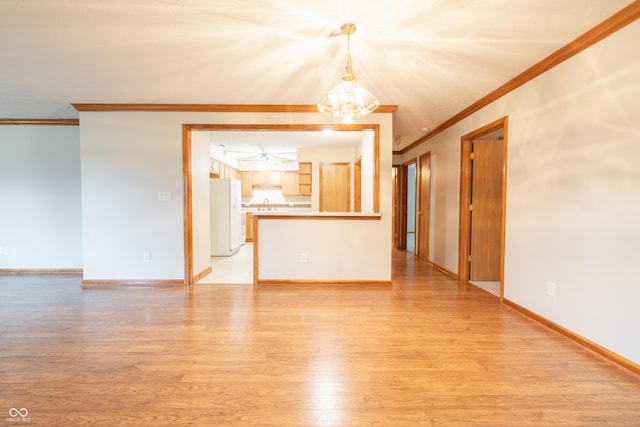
(310, 214)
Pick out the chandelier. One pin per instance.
(348, 101)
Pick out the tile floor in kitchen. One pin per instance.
(234, 269)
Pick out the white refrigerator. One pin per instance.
(226, 199)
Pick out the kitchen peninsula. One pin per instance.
(300, 259)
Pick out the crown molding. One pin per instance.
(44, 122)
(214, 108)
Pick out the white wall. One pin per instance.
(126, 160)
(40, 220)
(573, 192)
(128, 157)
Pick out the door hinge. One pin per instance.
(469, 258)
(470, 207)
(471, 156)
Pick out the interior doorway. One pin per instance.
(196, 175)
(482, 206)
(411, 173)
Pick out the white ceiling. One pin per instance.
(432, 58)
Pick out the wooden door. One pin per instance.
(335, 187)
(396, 212)
(424, 201)
(486, 209)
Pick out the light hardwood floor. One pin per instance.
(427, 351)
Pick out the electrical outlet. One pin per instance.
(303, 257)
(146, 258)
(4, 250)
(164, 195)
(551, 289)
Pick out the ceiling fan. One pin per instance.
(261, 156)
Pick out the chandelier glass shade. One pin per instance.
(348, 101)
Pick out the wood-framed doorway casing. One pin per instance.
(464, 241)
(190, 277)
(423, 206)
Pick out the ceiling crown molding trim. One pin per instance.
(214, 108)
(45, 122)
(607, 27)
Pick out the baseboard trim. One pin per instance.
(444, 270)
(124, 283)
(596, 348)
(202, 274)
(40, 271)
(354, 283)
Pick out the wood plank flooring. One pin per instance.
(428, 351)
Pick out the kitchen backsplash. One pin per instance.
(273, 196)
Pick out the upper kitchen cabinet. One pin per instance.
(218, 169)
(304, 179)
(290, 183)
(266, 178)
(247, 184)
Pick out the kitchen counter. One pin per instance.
(323, 215)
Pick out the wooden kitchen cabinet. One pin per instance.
(249, 227)
(290, 183)
(266, 178)
(214, 168)
(304, 178)
(274, 179)
(247, 184)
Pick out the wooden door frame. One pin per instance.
(357, 185)
(423, 216)
(190, 277)
(464, 240)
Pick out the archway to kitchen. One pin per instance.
(210, 153)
